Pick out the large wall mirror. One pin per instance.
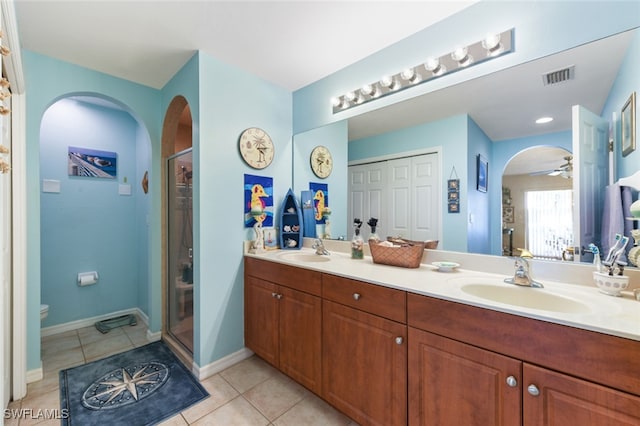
(504, 105)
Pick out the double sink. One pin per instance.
(490, 289)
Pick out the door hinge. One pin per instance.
(610, 145)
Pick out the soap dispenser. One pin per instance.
(373, 237)
(357, 242)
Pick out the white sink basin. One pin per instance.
(526, 297)
(305, 257)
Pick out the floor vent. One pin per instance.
(555, 77)
(107, 325)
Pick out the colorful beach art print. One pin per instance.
(320, 201)
(258, 200)
(88, 162)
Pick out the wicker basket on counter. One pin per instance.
(407, 255)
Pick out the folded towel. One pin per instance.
(627, 200)
(617, 202)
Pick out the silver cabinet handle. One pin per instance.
(512, 382)
(356, 296)
(399, 340)
(274, 294)
(533, 390)
(279, 296)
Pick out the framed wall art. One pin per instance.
(482, 173)
(453, 195)
(88, 162)
(507, 214)
(628, 126)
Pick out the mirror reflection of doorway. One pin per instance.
(180, 256)
(537, 203)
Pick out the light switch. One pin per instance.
(50, 185)
(124, 189)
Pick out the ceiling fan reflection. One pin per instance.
(565, 170)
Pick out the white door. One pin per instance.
(403, 194)
(400, 191)
(590, 155)
(5, 267)
(425, 186)
(366, 195)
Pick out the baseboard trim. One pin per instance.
(217, 366)
(35, 375)
(87, 322)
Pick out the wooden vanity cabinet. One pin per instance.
(283, 319)
(494, 368)
(364, 352)
(560, 400)
(452, 383)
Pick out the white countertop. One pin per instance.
(617, 316)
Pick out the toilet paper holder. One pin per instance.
(87, 278)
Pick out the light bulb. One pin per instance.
(386, 81)
(434, 66)
(350, 96)
(336, 102)
(367, 89)
(492, 44)
(461, 55)
(408, 74)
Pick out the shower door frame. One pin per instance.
(168, 288)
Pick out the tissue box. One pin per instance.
(610, 284)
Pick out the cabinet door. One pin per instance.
(563, 400)
(261, 318)
(364, 365)
(300, 337)
(452, 383)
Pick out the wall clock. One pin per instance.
(256, 148)
(321, 161)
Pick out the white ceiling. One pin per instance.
(289, 43)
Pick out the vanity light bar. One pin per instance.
(492, 46)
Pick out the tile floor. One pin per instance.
(250, 392)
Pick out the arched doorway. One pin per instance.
(537, 200)
(93, 153)
(178, 312)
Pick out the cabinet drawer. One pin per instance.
(382, 301)
(290, 276)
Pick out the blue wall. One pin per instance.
(88, 226)
(451, 136)
(49, 80)
(478, 219)
(231, 100)
(334, 137)
(541, 28)
(218, 201)
(222, 110)
(627, 82)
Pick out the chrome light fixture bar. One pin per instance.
(492, 46)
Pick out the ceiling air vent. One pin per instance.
(555, 77)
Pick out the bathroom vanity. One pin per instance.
(393, 346)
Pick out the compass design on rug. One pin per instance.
(125, 385)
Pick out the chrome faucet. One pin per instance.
(522, 274)
(319, 247)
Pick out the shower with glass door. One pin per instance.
(180, 248)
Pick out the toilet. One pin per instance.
(44, 311)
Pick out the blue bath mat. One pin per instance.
(140, 387)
